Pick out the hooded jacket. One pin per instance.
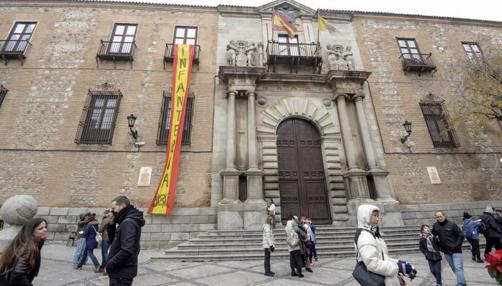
(125, 248)
(292, 236)
(373, 250)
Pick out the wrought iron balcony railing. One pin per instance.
(14, 49)
(169, 54)
(121, 51)
(417, 62)
(294, 54)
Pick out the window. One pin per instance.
(409, 50)
(185, 35)
(165, 121)
(473, 51)
(288, 46)
(3, 93)
(437, 124)
(122, 39)
(19, 37)
(99, 118)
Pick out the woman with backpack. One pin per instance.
(429, 246)
(90, 233)
(470, 230)
(373, 258)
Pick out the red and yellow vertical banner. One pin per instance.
(163, 201)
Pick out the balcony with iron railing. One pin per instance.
(116, 51)
(14, 49)
(294, 55)
(417, 63)
(169, 54)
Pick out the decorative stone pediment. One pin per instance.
(290, 5)
(347, 82)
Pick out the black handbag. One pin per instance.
(361, 273)
(367, 278)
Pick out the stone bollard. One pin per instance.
(15, 211)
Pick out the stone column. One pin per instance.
(382, 185)
(230, 158)
(358, 185)
(254, 207)
(252, 153)
(365, 134)
(230, 208)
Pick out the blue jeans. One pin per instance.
(90, 253)
(456, 262)
(79, 251)
(435, 268)
(105, 245)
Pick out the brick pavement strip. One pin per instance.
(57, 271)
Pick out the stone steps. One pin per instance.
(247, 245)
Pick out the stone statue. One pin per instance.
(244, 53)
(348, 57)
(15, 211)
(340, 58)
(231, 53)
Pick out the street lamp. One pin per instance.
(131, 119)
(407, 127)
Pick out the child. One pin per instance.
(470, 230)
(429, 246)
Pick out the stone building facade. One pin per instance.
(313, 122)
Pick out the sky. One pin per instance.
(472, 9)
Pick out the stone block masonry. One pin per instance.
(158, 232)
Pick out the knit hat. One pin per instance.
(489, 209)
(467, 215)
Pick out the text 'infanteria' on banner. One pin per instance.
(163, 201)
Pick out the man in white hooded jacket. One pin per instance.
(372, 250)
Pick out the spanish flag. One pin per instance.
(280, 22)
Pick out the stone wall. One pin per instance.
(158, 232)
(47, 94)
(470, 172)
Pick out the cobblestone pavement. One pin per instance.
(57, 271)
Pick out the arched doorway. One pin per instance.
(302, 182)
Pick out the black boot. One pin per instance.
(293, 273)
(299, 270)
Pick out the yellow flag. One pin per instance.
(322, 24)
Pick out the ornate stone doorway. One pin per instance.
(302, 182)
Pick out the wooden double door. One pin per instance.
(302, 182)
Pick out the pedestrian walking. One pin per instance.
(493, 233)
(372, 252)
(450, 242)
(470, 230)
(271, 211)
(268, 244)
(122, 265)
(80, 245)
(429, 246)
(313, 240)
(90, 233)
(295, 258)
(105, 243)
(21, 258)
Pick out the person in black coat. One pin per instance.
(20, 260)
(429, 246)
(493, 233)
(122, 265)
(450, 242)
